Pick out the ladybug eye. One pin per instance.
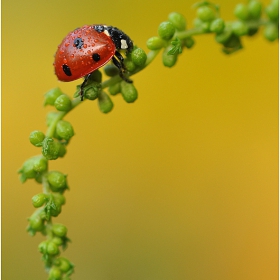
(78, 43)
(96, 57)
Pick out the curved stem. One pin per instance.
(150, 57)
(51, 129)
(59, 116)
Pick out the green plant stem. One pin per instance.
(199, 31)
(188, 33)
(59, 116)
(150, 57)
(46, 187)
(51, 129)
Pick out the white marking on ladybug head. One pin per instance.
(124, 44)
(107, 33)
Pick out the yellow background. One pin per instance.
(180, 185)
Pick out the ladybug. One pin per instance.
(88, 48)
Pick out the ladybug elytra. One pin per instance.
(88, 48)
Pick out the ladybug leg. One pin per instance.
(118, 61)
(120, 58)
(83, 85)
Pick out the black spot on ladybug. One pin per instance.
(66, 70)
(78, 43)
(96, 57)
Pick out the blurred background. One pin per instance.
(182, 184)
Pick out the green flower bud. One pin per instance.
(271, 32)
(51, 149)
(32, 167)
(232, 44)
(57, 181)
(205, 13)
(51, 96)
(39, 178)
(111, 70)
(27, 171)
(65, 265)
(40, 164)
(272, 12)
(43, 246)
(255, 9)
(59, 198)
(91, 92)
(105, 103)
(63, 103)
(43, 215)
(166, 30)
(59, 230)
(64, 130)
(129, 92)
(62, 150)
(36, 138)
(223, 37)
(204, 25)
(178, 21)
(138, 57)
(217, 25)
(155, 43)
(50, 117)
(55, 274)
(239, 28)
(36, 223)
(52, 248)
(38, 200)
(57, 240)
(189, 42)
(95, 76)
(169, 60)
(55, 211)
(241, 11)
(129, 65)
(115, 89)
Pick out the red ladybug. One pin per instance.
(88, 48)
